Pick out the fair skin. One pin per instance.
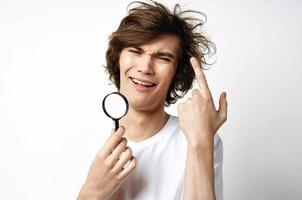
(146, 73)
(153, 63)
(200, 121)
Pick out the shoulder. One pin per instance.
(174, 129)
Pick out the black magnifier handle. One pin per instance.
(116, 124)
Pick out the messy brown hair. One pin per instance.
(144, 23)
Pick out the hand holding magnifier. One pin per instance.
(115, 106)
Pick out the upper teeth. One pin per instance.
(141, 82)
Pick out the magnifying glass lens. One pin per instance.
(115, 106)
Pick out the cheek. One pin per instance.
(168, 73)
(125, 62)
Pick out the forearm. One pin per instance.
(199, 173)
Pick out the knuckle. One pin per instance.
(107, 164)
(134, 162)
(199, 76)
(129, 150)
(196, 97)
(189, 100)
(118, 134)
(208, 98)
(116, 137)
(115, 170)
(124, 141)
(119, 178)
(121, 129)
(101, 155)
(195, 93)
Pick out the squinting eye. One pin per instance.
(134, 51)
(165, 59)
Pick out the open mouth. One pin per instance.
(142, 82)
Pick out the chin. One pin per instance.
(144, 105)
(139, 104)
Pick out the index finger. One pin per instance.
(200, 77)
(113, 141)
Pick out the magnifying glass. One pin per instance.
(115, 106)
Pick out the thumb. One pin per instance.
(223, 104)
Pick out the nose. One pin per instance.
(146, 65)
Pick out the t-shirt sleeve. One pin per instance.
(218, 162)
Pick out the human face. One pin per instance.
(146, 72)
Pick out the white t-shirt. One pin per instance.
(159, 174)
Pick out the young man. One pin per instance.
(152, 59)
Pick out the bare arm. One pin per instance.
(199, 173)
(199, 121)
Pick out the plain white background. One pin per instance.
(52, 83)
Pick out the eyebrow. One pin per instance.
(160, 53)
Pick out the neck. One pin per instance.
(141, 125)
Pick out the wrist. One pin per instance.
(200, 142)
(86, 195)
(83, 196)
